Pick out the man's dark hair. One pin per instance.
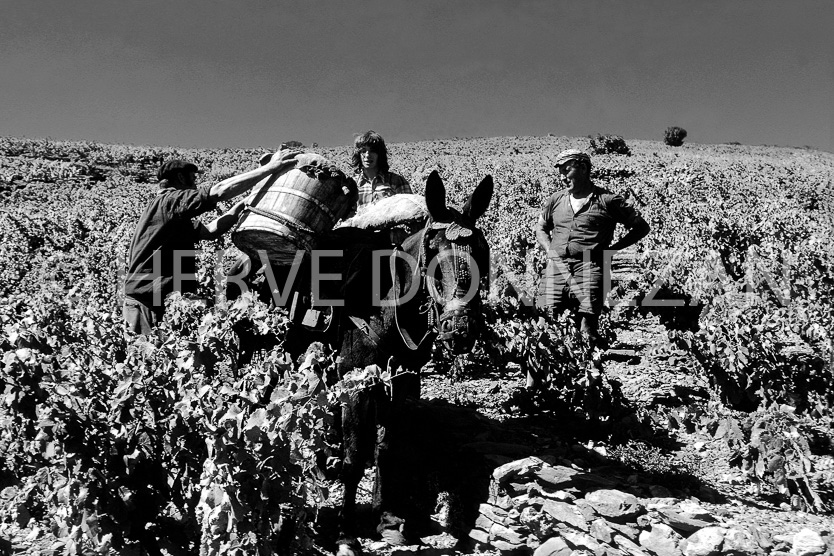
(373, 141)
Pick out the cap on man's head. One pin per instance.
(571, 154)
(171, 168)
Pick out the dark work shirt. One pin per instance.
(165, 228)
(590, 229)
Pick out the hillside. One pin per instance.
(724, 392)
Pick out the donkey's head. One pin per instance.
(456, 263)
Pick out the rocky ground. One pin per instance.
(708, 507)
(672, 493)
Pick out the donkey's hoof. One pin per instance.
(392, 529)
(348, 547)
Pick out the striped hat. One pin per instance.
(571, 154)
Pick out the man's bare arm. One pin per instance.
(237, 185)
(640, 230)
(542, 234)
(222, 223)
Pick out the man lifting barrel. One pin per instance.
(162, 255)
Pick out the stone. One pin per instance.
(706, 542)
(808, 543)
(517, 468)
(556, 476)
(443, 541)
(586, 508)
(661, 540)
(503, 502)
(529, 514)
(625, 530)
(494, 513)
(517, 489)
(8, 493)
(782, 542)
(601, 450)
(662, 502)
(694, 510)
(565, 513)
(480, 536)
(553, 547)
(581, 541)
(483, 522)
(538, 491)
(762, 538)
(681, 522)
(601, 531)
(739, 541)
(508, 546)
(562, 495)
(629, 546)
(505, 533)
(596, 480)
(521, 501)
(613, 503)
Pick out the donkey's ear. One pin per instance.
(436, 197)
(478, 202)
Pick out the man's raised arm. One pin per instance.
(237, 185)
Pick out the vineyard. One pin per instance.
(208, 438)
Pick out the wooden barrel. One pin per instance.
(288, 211)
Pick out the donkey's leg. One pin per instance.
(357, 446)
(395, 489)
(389, 492)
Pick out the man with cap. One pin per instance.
(162, 255)
(575, 228)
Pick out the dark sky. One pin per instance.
(214, 73)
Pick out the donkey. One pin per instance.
(426, 289)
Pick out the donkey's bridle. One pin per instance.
(431, 307)
(460, 252)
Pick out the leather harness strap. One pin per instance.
(365, 327)
(431, 334)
